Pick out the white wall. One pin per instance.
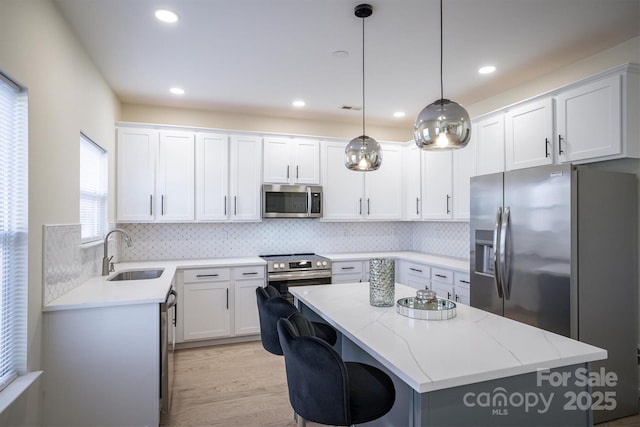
(67, 94)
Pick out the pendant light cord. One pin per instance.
(363, 103)
(441, 56)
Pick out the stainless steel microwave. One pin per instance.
(291, 201)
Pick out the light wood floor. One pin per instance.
(243, 385)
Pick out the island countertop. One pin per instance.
(430, 355)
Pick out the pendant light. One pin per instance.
(444, 124)
(363, 153)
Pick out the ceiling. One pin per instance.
(257, 56)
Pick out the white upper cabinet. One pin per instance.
(175, 183)
(289, 160)
(212, 177)
(464, 167)
(590, 120)
(137, 151)
(412, 182)
(383, 188)
(245, 169)
(488, 134)
(351, 195)
(437, 186)
(529, 134)
(155, 175)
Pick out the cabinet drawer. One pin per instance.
(441, 275)
(249, 272)
(346, 267)
(418, 270)
(207, 274)
(461, 280)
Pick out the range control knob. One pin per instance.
(318, 263)
(281, 265)
(275, 265)
(324, 263)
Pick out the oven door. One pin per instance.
(283, 281)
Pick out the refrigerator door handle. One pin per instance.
(504, 254)
(496, 252)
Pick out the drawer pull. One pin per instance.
(415, 269)
(448, 295)
(465, 281)
(347, 268)
(250, 273)
(207, 275)
(442, 276)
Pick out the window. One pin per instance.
(93, 190)
(13, 230)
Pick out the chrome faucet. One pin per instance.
(106, 259)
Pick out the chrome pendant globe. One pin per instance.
(363, 154)
(442, 125)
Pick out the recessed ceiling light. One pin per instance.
(399, 114)
(487, 69)
(165, 15)
(177, 91)
(298, 103)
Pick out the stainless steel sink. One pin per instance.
(153, 273)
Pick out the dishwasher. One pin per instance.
(168, 322)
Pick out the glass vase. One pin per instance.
(382, 272)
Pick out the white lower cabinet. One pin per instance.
(349, 271)
(452, 285)
(219, 302)
(462, 288)
(413, 274)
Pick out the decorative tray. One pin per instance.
(426, 306)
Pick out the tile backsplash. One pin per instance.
(207, 240)
(67, 263)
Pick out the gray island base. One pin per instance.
(477, 369)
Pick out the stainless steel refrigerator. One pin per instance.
(556, 247)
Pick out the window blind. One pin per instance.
(93, 190)
(13, 230)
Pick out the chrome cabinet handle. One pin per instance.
(417, 206)
(368, 206)
(225, 205)
(235, 205)
(448, 198)
(297, 172)
(162, 205)
(560, 150)
(150, 204)
(287, 171)
(360, 206)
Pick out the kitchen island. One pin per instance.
(475, 369)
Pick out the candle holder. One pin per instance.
(382, 272)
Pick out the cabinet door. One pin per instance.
(488, 134)
(305, 166)
(464, 167)
(343, 189)
(137, 151)
(246, 320)
(206, 310)
(411, 182)
(443, 290)
(529, 135)
(347, 272)
(590, 120)
(437, 185)
(415, 275)
(277, 160)
(384, 187)
(461, 284)
(245, 178)
(212, 177)
(175, 190)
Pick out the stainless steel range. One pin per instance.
(287, 270)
